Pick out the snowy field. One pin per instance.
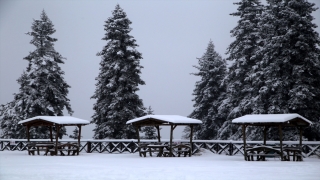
(18, 165)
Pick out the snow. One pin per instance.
(176, 119)
(272, 118)
(18, 165)
(58, 120)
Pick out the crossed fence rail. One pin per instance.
(309, 148)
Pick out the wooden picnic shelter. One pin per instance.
(54, 121)
(164, 120)
(272, 120)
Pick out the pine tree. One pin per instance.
(290, 65)
(10, 129)
(118, 81)
(43, 90)
(209, 93)
(285, 79)
(12, 112)
(75, 134)
(241, 90)
(149, 131)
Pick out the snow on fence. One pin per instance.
(226, 147)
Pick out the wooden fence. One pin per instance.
(231, 148)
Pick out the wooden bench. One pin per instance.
(157, 148)
(261, 152)
(182, 149)
(295, 152)
(38, 146)
(261, 156)
(69, 148)
(166, 153)
(31, 148)
(143, 149)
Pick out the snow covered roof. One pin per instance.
(165, 119)
(63, 120)
(272, 118)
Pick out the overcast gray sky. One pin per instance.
(171, 34)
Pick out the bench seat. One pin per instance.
(182, 149)
(70, 148)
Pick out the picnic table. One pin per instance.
(157, 148)
(39, 146)
(261, 152)
(181, 149)
(69, 148)
(296, 153)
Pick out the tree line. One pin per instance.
(43, 90)
(275, 69)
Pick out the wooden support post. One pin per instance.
(51, 134)
(28, 133)
(265, 135)
(138, 134)
(158, 131)
(57, 135)
(28, 136)
(79, 137)
(300, 140)
(171, 137)
(89, 147)
(191, 135)
(280, 137)
(244, 141)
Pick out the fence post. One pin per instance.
(230, 149)
(88, 147)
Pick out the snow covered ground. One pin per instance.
(16, 165)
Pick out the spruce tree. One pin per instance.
(290, 65)
(209, 93)
(9, 122)
(149, 131)
(118, 81)
(75, 133)
(285, 78)
(12, 112)
(43, 90)
(241, 90)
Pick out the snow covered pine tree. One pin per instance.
(209, 92)
(284, 75)
(43, 90)
(290, 66)
(75, 133)
(118, 81)
(241, 90)
(149, 131)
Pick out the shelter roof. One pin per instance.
(51, 120)
(164, 120)
(272, 119)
